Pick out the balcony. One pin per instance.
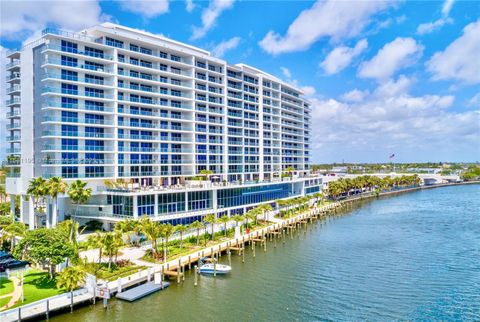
(13, 101)
(91, 68)
(13, 126)
(12, 64)
(60, 119)
(13, 89)
(13, 138)
(13, 114)
(57, 47)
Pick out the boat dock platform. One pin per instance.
(140, 291)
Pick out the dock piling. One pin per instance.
(195, 281)
(253, 248)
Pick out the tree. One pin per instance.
(197, 226)
(181, 229)
(46, 247)
(238, 218)
(78, 193)
(224, 220)
(111, 243)
(95, 242)
(251, 215)
(55, 186)
(37, 190)
(13, 230)
(211, 219)
(69, 280)
(265, 208)
(167, 231)
(152, 232)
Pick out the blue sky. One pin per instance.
(383, 76)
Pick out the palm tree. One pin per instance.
(37, 191)
(224, 220)
(55, 186)
(196, 225)
(96, 241)
(13, 230)
(78, 193)
(167, 231)
(250, 215)
(181, 229)
(70, 279)
(211, 219)
(266, 208)
(111, 243)
(238, 218)
(125, 227)
(290, 171)
(152, 232)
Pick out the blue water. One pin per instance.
(414, 256)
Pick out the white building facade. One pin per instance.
(114, 103)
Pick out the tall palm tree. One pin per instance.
(197, 226)
(211, 219)
(37, 190)
(152, 231)
(70, 279)
(167, 231)
(96, 242)
(238, 218)
(111, 243)
(250, 215)
(266, 208)
(224, 220)
(55, 186)
(181, 229)
(78, 193)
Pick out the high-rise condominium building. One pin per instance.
(156, 127)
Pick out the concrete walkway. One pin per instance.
(16, 294)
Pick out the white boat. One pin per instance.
(210, 269)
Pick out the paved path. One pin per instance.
(16, 294)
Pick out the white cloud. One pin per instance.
(308, 90)
(20, 19)
(220, 49)
(286, 72)
(421, 127)
(355, 95)
(474, 101)
(460, 60)
(210, 16)
(429, 27)
(189, 5)
(341, 57)
(447, 6)
(334, 19)
(394, 88)
(395, 55)
(148, 9)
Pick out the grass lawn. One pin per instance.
(190, 243)
(6, 286)
(36, 286)
(115, 272)
(4, 301)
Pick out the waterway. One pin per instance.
(414, 256)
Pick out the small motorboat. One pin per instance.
(210, 268)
